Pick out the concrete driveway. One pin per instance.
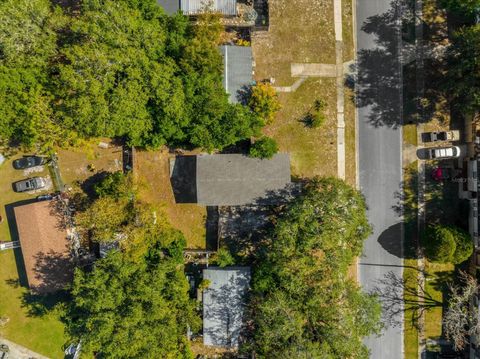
(19, 352)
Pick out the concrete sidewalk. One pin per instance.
(19, 352)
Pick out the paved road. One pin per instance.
(380, 139)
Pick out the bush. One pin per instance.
(265, 147)
(224, 258)
(264, 101)
(316, 118)
(447, 244)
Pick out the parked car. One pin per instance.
(28, 162)
(441, 136)
(443, 152)
(29, 184)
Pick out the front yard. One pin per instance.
(44, 333)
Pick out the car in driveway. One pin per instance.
(439, 153)
(28, 162)
(29, 184)
(453, 135)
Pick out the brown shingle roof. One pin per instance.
(44, 245)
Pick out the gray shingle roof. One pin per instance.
(235, 179)
(170, 6)
(223, 305)
(238, 70)
(193, 7)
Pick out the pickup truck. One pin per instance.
(453, 135)
(440, 153)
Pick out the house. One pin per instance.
(237, 70)
(230, 179)
(195, 7)
(44, 245)
(224, 305)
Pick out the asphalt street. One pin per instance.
(379, 96)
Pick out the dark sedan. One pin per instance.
(29, 184)
(28, 161)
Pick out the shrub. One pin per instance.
(316, 117)
(265, 147)
(204, 284)
(264, 101)
(446, 244)
(224, 258)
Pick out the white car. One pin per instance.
(443, 152)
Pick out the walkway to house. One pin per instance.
(304, 70)
(19, 352)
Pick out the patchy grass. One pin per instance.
(410, 134)
(312, 150)
(411, 331)
(438, 275)
(153, 172)
(43, 334)
(74, 162)
(350, 139)
(347, 30)
(300, 31)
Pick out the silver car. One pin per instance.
(29, 184)
(440, 153)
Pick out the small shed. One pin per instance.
(224, 305)
(195, 7)
(237, 71)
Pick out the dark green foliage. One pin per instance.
(303, 303)
(117, 69)
(463, 76)
(134, 309)
(112, 185)
(447, 244)
(264, 147)
(468, 8)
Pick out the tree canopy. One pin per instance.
(134, 309)
(116, 69)
(303, 302)
(447, 244)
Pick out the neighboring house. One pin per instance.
(224, 305)
(230, 179)
(237, 71)
(44, 244)
(195, 7)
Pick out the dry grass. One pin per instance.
(312, 150)
(300, 31)
(153, 172)
(347, 30)
(350, 137)
(74, 162)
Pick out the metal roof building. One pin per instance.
(223, 305)
(237, 70)
(230, 179)
(194, 7)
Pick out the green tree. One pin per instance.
(264, 147)
(303, 303)
(316, 117)
(27, 44)
(447, 244)
(463, 76)
(134, 309)
(469, 8)
(264, 101)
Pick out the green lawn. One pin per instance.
(43, 334)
